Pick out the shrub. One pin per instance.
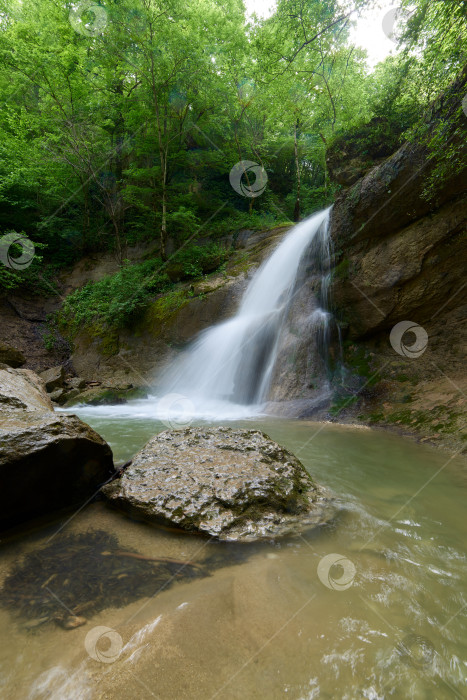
(114, 300)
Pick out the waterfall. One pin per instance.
(229, 370)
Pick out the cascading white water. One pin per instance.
(228, 369)
(234, 367)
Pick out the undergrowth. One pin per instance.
(117, 300)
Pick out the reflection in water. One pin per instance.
(267, 626)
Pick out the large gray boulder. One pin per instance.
(48, 461)
(22, 389)
(230, 484)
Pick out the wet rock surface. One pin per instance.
(230, 484)
(103, 395)
(22, 389)
(48, 461)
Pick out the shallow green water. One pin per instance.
(387, 621)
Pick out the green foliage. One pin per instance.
(129, 134)
(115, 300)
(183, 222)
(118, 299)
(33, 277)
(168, 304)
(197, 260)
(9, 279)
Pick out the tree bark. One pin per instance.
(296, 212)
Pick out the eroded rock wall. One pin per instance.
(401, 256)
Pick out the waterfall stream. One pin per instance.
(273, 352)
(229, 369)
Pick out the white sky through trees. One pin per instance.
(368, 32)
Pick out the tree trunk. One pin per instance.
(325, 166)
(164, 216)
(296, 211)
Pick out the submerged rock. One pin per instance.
(230, 484)
(88, 572)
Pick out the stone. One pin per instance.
(230, 484)
(105, 396)
(56, 395)
(63, 396)
(54, 378)
(71, 394)
(23, 389)
(76, 383)
(48, 462)
(11, 356)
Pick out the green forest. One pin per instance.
(123, 122)
(233, 381)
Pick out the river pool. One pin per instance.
(374, 606)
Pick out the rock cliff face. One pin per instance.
(401, 257)
(133, 356)
(138, 355)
